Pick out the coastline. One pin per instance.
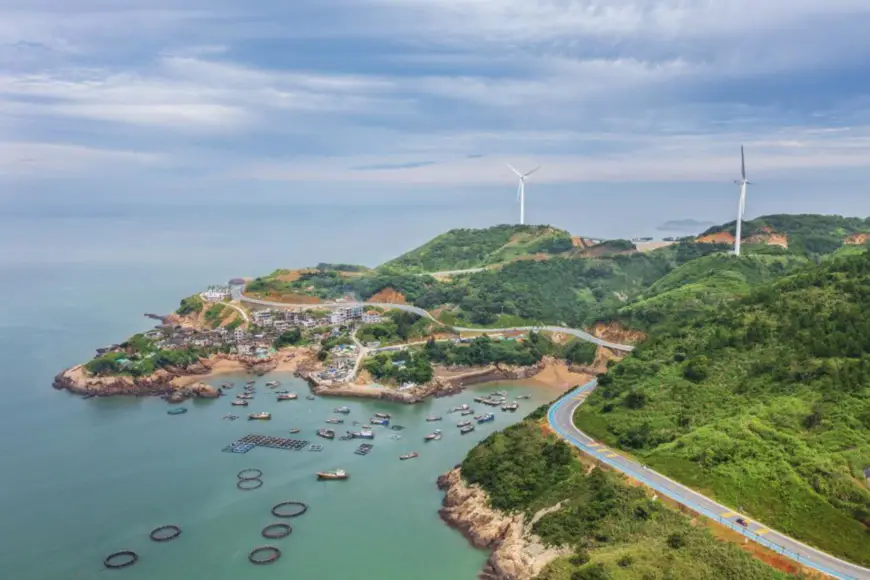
(515, 552)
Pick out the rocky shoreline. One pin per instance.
(516, 553)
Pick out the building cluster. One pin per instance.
(341, 367)
(232, 290)
(282, 320)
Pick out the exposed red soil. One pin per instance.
(293, 275)
(717, 238)
(582, 243)
(856, 239)
(617, 333)
(388, 296)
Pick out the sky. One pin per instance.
(634, 109)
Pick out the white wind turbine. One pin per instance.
(521, 190)
(741, 207)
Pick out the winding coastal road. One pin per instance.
(581, 334)
(561, 419)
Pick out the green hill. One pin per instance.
(805, 233)
(616, 530)
(462, 249)
(763, 403)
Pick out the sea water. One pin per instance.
(84, 478)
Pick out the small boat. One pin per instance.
(364, 434)
(510, 407)
(295, 430)
(177, 411)
(326, 433)
(466, 429)
(347, 436)
(364, 449)
(377, 421)
(467, 412)
(231, 417)
(227, 386)
(315, 447)
(462, 424)
(396, 427)
(250, 383)
(281, 392)
(245, 396)
(462, 407)
(432, 418)
(411, 455)
(239, 403)
(337, 474)
(395, 437)
(485, 418)
(434, 436)
(520, 397)
(335, 420)
(500, 394)
(310, 397)
(273, 384)
(383, 415)
(366, 427)
(260, 416)
(287, 397)
(342, 410)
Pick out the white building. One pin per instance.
(342, 315)
(262, 317)
(239, 334)
(372, 317)
(215, 293)
(236, 287)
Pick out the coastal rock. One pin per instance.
(203, 391)
(262, 366)
(517, 554)
(78, 380)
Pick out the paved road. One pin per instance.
(561, 419)
(581, 334)
(239, 310)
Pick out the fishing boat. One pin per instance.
(364, 449)
(342, 410)
(411, 455)
(467, 412)
(177, 411)
(281, 392)
(510, 407)
(335, 420)
(287, 397)
(260, 416)
(227, 386)
(466, 429)
(231, 417)
(273, 384)
(250, 383)
(500, 394)
(347, 436)
(310, 397)
(337, 474)
(366, 427)
(239, 403)
(245, 396)
(295, 430)
(462, 424)
(434, 436)
(363, 434)
(520, 397)
(485, 418)
(432, 418)
(377, 421)
(461, 407)
(395, 437)
(326, 433)
(383, 415)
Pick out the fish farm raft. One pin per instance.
(248, 442)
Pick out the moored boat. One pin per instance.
(519, 397)
(411, 455)
(295, 430)
(377, 421)
(273, 384)
(287, 397)
(466, 429)
(231, 417)
(434, 436)
(363, 434)
(239, 403)
(177, 411)
(462, 424)
(467, 412)
(347, 436)
(432, 418)
(260, 416)
(342, 410)
(310, 397)
(326, 433)
(364, 449)
(510, 407)
(335, 420)
(383, 415)
(462, 407)
(395, 436)
(485, 418)
(337, 474)
(250, 383)
(396, 427)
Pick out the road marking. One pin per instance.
(727, 514)
(610, 455)
(593, 444)
(762, 531)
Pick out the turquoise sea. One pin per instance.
(83, 478)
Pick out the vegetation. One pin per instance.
(615, 530)
(808, 234)
(190, 305)
(400, 367)
(483, 351)
(234, 323)
(342, 267)
(290, 337)
(215, 314)
(764, 402)
(463, 249)
(140, 357)
(397, 327)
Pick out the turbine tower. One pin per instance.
(741, 206)
(521, 190)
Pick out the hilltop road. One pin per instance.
(561, 419)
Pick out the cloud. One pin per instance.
(405, 165)
(40, 160)
(684, 225)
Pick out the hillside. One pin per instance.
(462, 249)
(615, 530)
(803, 233)
(763, 403)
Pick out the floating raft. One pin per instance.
(248, 442)
(315, 447)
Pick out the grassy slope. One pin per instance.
(765, 405)
(464, 248)
(617, 531)
(807, 233)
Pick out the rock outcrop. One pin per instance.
(78, 380)
(517, 554)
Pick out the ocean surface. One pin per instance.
(84, 478)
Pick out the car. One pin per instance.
(742, 522)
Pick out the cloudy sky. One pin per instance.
(644, 103)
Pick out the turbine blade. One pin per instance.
(742, 164)
(532, 171)
(514, 170)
